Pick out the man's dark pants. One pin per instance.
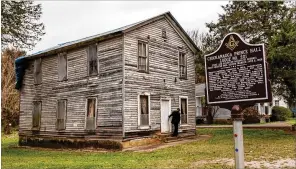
(176, 125)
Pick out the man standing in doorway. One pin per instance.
(175, 121)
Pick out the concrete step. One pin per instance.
(169, 138)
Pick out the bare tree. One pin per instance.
(9, 95)
(212, 113)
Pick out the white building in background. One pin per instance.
(200, 112)
(263, 108)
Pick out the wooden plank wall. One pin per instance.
(163, 65)
(106, 86)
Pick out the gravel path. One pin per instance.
(149, 148)
(280, 163)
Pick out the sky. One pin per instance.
(71, 20)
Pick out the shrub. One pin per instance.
(200, 121)
(280, 113)
(222, 121)
(251, 116)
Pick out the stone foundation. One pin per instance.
(69, 143)
(97, 143)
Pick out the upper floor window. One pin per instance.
(62, 66)
(163, 34)
(37, 71)
(92, 60)
(143, 56)
(182, 65)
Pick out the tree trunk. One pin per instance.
(210, 118)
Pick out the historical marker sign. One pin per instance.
(236, 72)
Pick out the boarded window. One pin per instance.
(37, 71)
(182, 65)
(91, 114)
(183, 111)
(143, 56)
(36, 115)
(61, 115)
(92, 60)
(144, 108)
(62, 66)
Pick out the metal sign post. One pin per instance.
(237, 117)
(236, 77)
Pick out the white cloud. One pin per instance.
(70, 20)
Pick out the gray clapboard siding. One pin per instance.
(116, 87)
(163, 64)
(106, 87)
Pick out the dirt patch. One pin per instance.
(280, 163)
(88, 149)
(150, 148)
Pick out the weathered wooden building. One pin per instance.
(117, 85)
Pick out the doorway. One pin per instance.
(165, 105)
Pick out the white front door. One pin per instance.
(165, 112)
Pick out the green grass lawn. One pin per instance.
(291, 121)
(259, 145)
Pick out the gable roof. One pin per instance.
(117, 32)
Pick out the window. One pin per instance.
(62, 66)
(257, 106)
(277, 103)
(266, 110)
(61, 115)
(91, 114)
(144, 110)
(182, 65)
(163, 34)
(92, 60)
(183, 110)
(37, 71)
(36, 121)
(143, 56)
(198, 107)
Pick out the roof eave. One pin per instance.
(192, 44)
(76, 45)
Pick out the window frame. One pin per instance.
(185, 61)
(147, 56)
(198, 99)
(59, 55)
(139, 111)
(88, 60)
(39, 126)
(164, 33)
(86, 109)
(65, 116)
(183, 97)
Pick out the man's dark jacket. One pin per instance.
(176, 117)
